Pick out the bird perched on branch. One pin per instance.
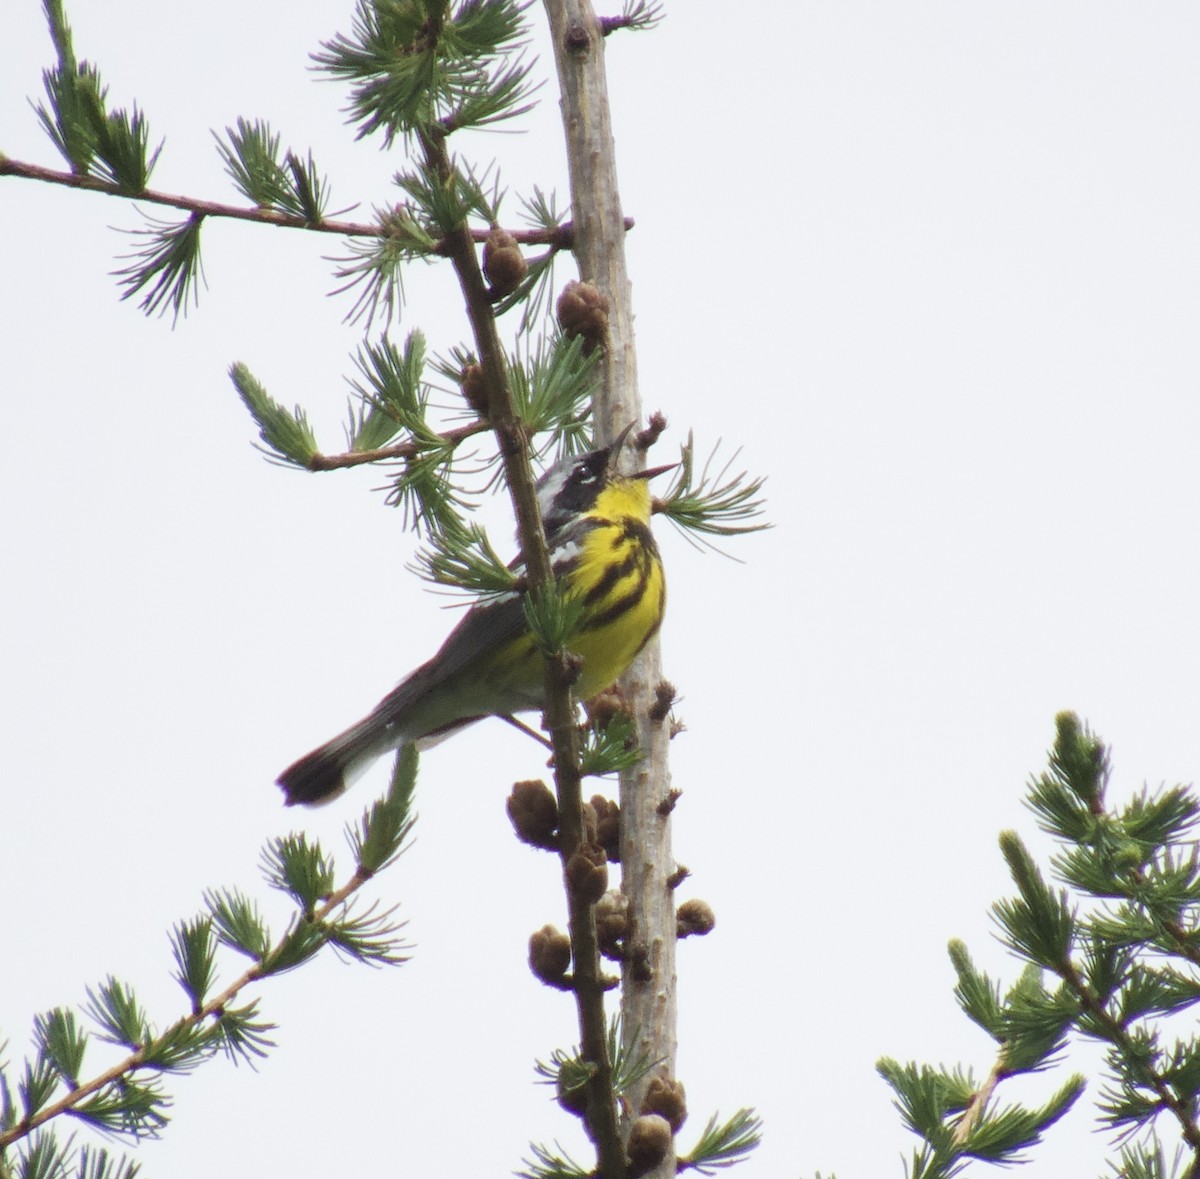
(605, 560)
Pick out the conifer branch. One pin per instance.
(636, 15)
(1106, 942)
(1149, 1075)
(455, 67)
(140, 1058)
(978, 1103)
(560, 238)
(589, 983)
(291, 865)
(400, 450)
(717, 504)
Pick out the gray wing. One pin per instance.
(414, 710)
(485, 628)
(410, 711)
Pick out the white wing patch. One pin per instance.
(565, 554)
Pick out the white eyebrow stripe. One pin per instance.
(550, 484)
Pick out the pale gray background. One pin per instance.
(932, 265)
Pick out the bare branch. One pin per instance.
(648, 993)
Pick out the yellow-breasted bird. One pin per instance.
(597, 524)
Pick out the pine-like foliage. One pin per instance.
(125, 1093)
(445, 429)
(1110, 939)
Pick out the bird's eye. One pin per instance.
(585, 475)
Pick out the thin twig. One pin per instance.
(401, 450)
(1119, 1036)
(560, 238)
(529, 731)
(978, 1102)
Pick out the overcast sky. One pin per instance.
(934, 267)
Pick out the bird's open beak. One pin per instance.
(618, 444)
(650, 472)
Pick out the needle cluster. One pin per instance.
(1109, 935)
(125, 1093)
(445, 429)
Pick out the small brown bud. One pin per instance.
(549, 954)
(664, 697)
(533, 811)
(573, 1100)
(474, 389)
(589, 823)
(603, 708)
(583, 311)
(694, 917)
(649, 1141)
(667, 805)
(612, 924)
(637, 959)
(652, 431)
(569, 665)
(503, 262)
(665, 1096)
(608, 827)
(587, 873)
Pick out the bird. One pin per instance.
(603, 554)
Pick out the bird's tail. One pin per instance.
(320, 776)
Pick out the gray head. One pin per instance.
(571, 485)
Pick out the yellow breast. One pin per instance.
(619, 577)
(614, 568)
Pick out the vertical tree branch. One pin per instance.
(648, 993)
(560, 719)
